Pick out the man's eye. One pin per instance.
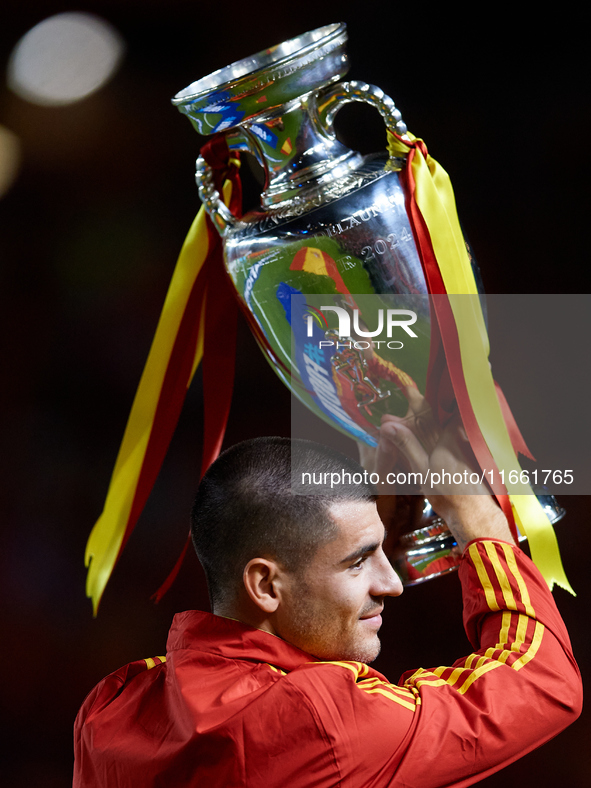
(357, 564)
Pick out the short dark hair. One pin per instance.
(245, 507)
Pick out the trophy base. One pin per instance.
(431, 550)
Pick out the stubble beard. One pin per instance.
(317, 632)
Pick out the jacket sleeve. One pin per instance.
(454, 725)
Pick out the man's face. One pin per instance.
(332, 608)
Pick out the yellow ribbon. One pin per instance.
(435, 199)
(106, 537)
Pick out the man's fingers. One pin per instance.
(402, 438)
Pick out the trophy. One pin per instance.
(334, 224)
(343, 248)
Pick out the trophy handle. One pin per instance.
(329, 102)
(218, 212)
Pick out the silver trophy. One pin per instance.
(332, 224)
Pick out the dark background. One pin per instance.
(89, 235)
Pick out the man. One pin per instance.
(274, 689)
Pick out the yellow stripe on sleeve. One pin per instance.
(508, 649)
(430, 682)
(501, 576)
(411, 705)
(483, 576)
(456, 675)
(512, 564)
(453, 677)
(476, 674)
(151, 661)
(532, 650)
(371, 686)
(277, 670)
(504, 633)
(469, 660)
(520, 633)
(376, 682)
(357, 668)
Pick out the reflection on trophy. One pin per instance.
(353, 376)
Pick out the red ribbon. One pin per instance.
(219, 349)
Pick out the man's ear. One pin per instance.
(262, 581)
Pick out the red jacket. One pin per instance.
(231, 705)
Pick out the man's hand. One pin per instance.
(470, 512)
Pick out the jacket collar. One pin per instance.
(225, 637)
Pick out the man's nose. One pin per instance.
(387, 581)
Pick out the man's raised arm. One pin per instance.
(519, 686)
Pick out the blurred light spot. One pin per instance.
(10, 159)
(64, 58)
